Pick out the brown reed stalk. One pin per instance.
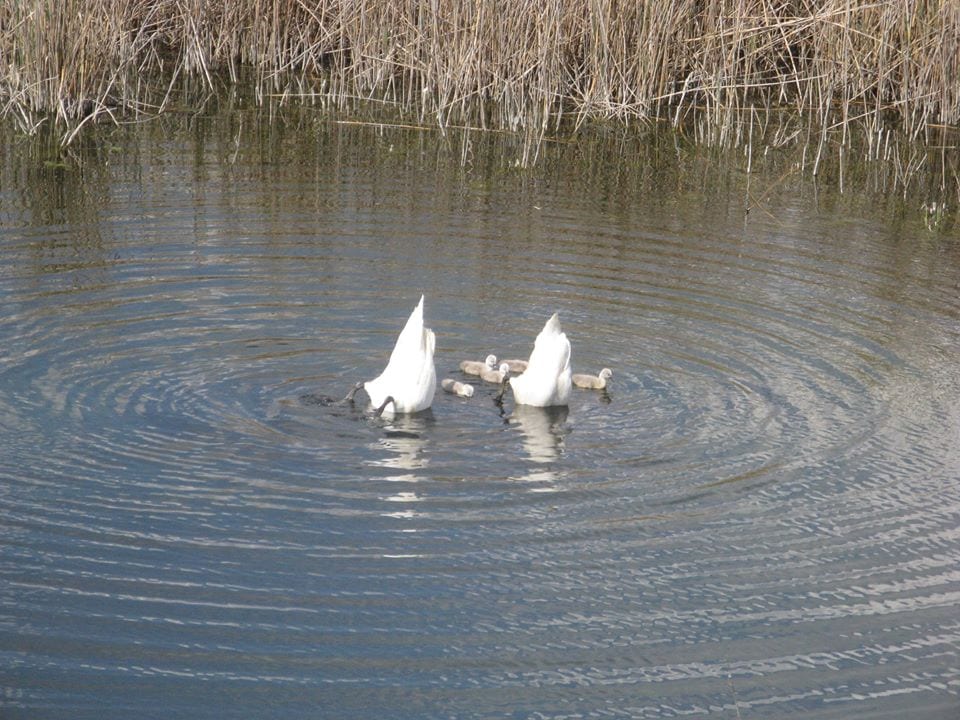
(520, 65)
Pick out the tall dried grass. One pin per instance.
(518, 65)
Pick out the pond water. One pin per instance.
(760, 518)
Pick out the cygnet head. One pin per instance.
(490, 361)
(605, 374)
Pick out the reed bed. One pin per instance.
(525, 66)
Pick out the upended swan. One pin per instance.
(546, 382)
(593, 382)
(475, 367)
(410, 378)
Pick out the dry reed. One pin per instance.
(842, 65)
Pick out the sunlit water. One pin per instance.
(759, 519)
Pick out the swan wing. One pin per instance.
(551, 350)
(410, 342)
(418, 395)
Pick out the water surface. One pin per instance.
(758, 519)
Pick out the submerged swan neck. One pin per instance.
(498, 400)
(353, 391)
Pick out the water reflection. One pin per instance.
(403, 445)
(543, 430)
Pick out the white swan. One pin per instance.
(409, 381)
(593, 382)
(455, 387)
(495, 376)
(475, 367)
(546, 381)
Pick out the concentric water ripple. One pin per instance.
(758, 519)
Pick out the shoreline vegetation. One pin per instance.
(876, 80)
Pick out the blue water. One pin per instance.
(759, 519)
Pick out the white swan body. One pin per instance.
(546, 381)
(593, 382)
(475, 367)
(409, 381)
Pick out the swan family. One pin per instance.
(408, 382)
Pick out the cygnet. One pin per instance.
(517, 366)
(475, 367)
(455, 387)
(593, 382)
(495, 376)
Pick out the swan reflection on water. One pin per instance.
(404, 439)
(402, 448)
(543, 429)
